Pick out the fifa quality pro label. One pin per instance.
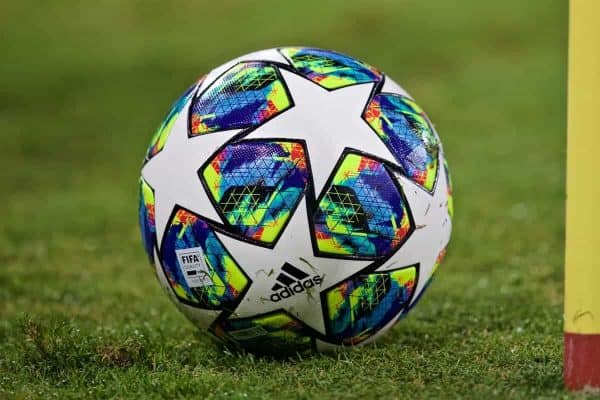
(194, 268)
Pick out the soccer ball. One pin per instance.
(295, 200)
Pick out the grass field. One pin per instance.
(82, 88)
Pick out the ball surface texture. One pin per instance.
(295, 200)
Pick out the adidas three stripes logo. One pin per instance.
(292, 281)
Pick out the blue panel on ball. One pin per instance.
(362, 212)
(146, 218)
(402, 125)
(256, 185)
(198, 267)
(360, 306)
(247, 95)
(330, 69)
(276, 333)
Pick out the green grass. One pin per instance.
(83, 86)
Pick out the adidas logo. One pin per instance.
(292, 281)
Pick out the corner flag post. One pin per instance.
(582, 254)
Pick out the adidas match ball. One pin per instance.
(293, 200)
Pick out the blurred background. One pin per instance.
(83, 85)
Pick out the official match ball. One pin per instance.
(295, 200)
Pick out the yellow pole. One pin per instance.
(582, 254)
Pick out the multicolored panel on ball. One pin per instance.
(359, 307)
(402, 125)
(199, 268)
(256, 185)
(438, 261)
(329, 69)
(363, 212)
(276, 333)
(162, 133)
(146, 215)
(247, 95)
(449, 190)
(436, 264)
